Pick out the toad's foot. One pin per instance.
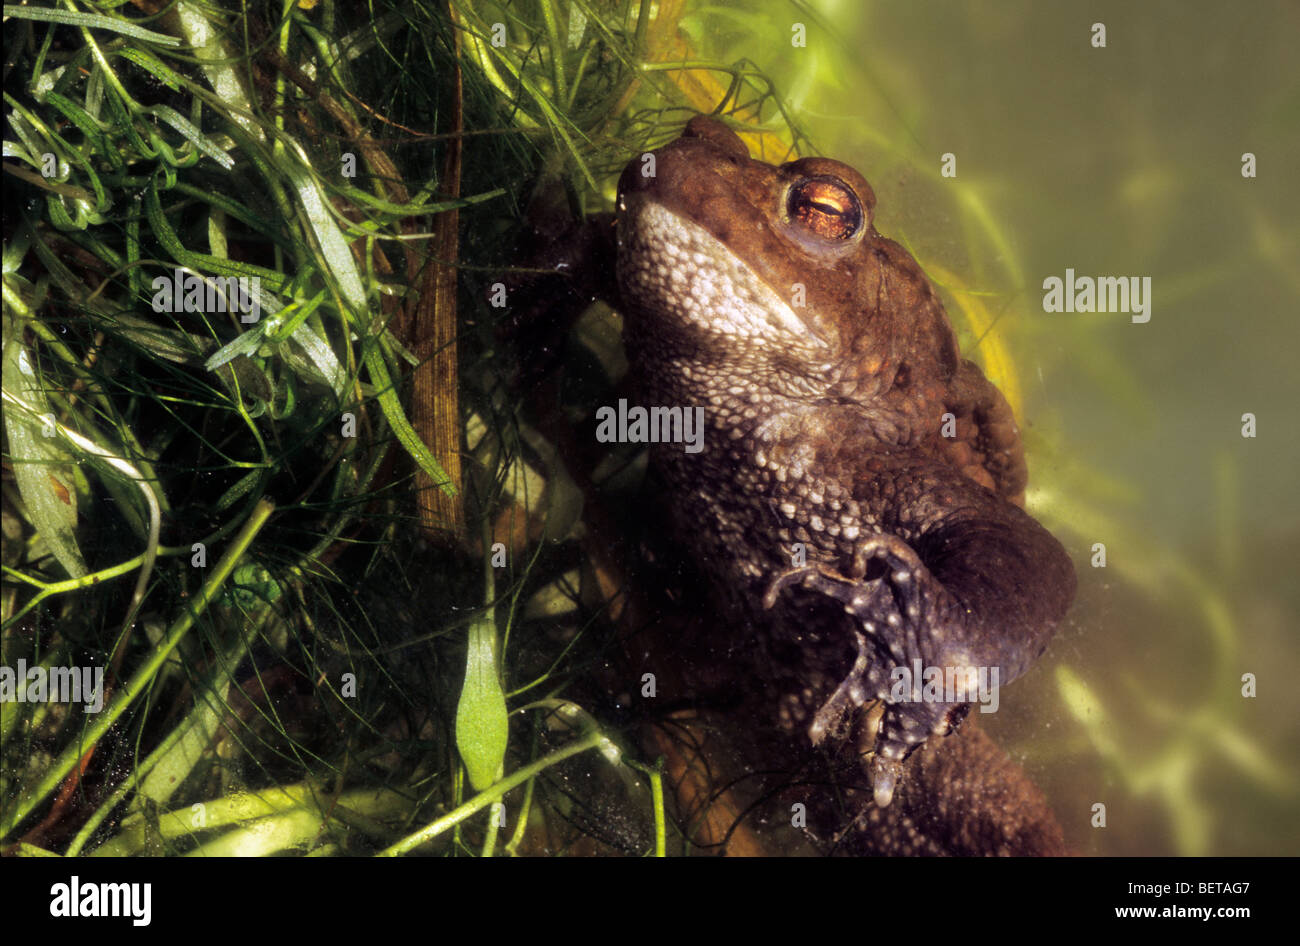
(908, 626)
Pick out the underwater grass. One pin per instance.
(140, 441)
(204, 146)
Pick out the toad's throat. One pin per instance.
(669, 265)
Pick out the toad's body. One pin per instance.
(839, 526)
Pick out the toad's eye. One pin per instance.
(825, 207)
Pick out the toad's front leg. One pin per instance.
(945, 607)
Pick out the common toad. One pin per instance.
(856, 503)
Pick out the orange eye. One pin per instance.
(826, 207)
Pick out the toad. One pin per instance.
(856, 506)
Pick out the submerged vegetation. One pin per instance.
(227, 248)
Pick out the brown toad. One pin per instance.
(856, 503)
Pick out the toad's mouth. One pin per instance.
(675, 269)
